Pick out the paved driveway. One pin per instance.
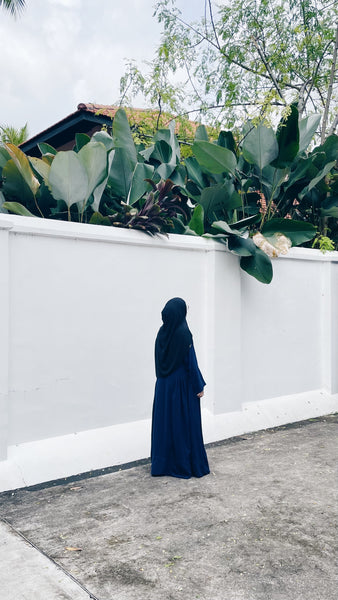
(261, 526)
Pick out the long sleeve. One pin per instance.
(195, 375)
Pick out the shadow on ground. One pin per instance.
(261, 526)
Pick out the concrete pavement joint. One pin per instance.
(260, 527)
(60, 567)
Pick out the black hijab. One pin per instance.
(173, 339)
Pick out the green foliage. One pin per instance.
(260, 146)
(12, 135)
(213, 158)
(324, 243)
(13, 6)
(245, 59)
(228, 190)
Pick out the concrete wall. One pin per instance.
(80, 308)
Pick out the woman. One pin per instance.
(177, 447)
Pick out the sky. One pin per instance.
(59, 53)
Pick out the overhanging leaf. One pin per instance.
(297, 231)
(258, 266)
(241, 246)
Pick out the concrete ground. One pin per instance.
(261, 526)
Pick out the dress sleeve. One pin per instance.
(195, 375)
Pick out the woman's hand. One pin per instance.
(201, 394)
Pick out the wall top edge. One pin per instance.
(99, 233)
(310, 254)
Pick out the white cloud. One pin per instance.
(62, 52)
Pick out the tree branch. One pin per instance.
(329, 91)
(159, 111)
(267, 66)
(313, 78)
(213, 25)
(333, 125)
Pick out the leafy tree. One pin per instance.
(11, 135)
(248, 58)
(13, 6)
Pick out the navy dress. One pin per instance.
(177, 447)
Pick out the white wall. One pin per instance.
(80, 307)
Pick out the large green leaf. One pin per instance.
(93, 157)
(329, 207)
(17, 209)
(194, 171)
(168, 136)
(330, 147)
(288, 139)
(139, 185)
(301, 170)
(307, 129)
(214, 158)
(201, 133)
(247, 221)
(224, 227)
(105, 138)
(258, 265)
(260, 146)
(178, 176)
(162, 152)
(317, 179)
(196, 223)
(22, 164)
(4, 156)
(15, 185)
(219, 198)
(120, 174)
(46, 149)
(241, 246)
(297, 231)
(68, 179)
(41, 167)
(123, 138)
(98, 191)
(81, 139)
(165, 170)
(227, 140)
